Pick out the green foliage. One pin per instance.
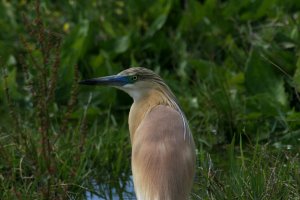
(234, 66)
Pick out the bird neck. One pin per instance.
(142, 106)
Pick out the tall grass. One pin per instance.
(255, 172)
(46, 155)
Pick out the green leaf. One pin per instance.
(297, 76)
(122, 44)
(159, 10)
(11, 84)
(204, 68)
(260, 78)
(156, 25)
(192, 16)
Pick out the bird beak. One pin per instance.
(114, 80)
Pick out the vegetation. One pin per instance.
(234, 66)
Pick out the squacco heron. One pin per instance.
(163, 150)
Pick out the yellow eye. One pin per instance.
(134, 78)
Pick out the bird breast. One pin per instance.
(163, 162)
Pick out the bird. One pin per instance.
(163, 156)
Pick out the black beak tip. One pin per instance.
(86, 82)
(81, 82)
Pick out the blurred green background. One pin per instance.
(234, 66)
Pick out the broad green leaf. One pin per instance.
(297, 76)
(122, 44)
(203, 68)
(75, 45)
(109, 28)
(156, 25)
(260, 78)
(158, 13)
(258, 9)
(192, 16)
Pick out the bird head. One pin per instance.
(135, 81)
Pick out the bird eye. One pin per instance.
(134, 78)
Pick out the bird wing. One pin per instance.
(162, 159)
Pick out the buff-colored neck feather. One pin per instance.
(143, 105)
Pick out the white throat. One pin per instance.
(135, 92)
